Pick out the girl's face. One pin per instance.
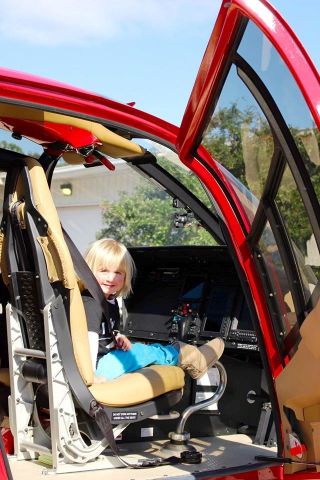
(110, 279)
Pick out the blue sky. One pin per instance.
(147, 51)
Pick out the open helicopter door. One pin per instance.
(251, 131)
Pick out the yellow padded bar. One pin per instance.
(112, 144)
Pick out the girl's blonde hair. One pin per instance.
(107, 250)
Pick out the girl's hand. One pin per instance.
(123, 342)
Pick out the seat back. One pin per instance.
(33, 224)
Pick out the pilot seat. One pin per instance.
(49, 349)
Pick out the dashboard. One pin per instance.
(192, 294)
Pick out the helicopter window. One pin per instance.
(294, 215)
(268, 64)
(149, 216)
(239, 137)
(170, 161)
(281, 299)
(294, 189)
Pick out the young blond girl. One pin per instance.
(114, 268)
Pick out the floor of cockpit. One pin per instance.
(217, 453)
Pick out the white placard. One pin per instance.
(146, 432)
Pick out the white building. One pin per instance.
(79, 193)
(80, 203)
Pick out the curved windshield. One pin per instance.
(149, 216)
(170, 161)
(248, 200)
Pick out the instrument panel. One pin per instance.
(192, 294)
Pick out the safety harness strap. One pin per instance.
(86, 275)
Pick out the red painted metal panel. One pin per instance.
(207, 79)
(37, 92)
(48, 132)
(311, 475)
(267, 473)
(5, 473)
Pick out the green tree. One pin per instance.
(146, 218)
(223, 139)
(289, 199)
(249, 160)
(10, 146)
(16, 148)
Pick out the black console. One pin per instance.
(193, 294)
(188, 293)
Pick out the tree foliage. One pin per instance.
(250, 162)
(16, 148)
(289, 199)
(223, 136)
(10, 146)
(147, 216)
(241, 141)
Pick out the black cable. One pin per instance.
(286, 460)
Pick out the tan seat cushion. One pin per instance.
(138, 387)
